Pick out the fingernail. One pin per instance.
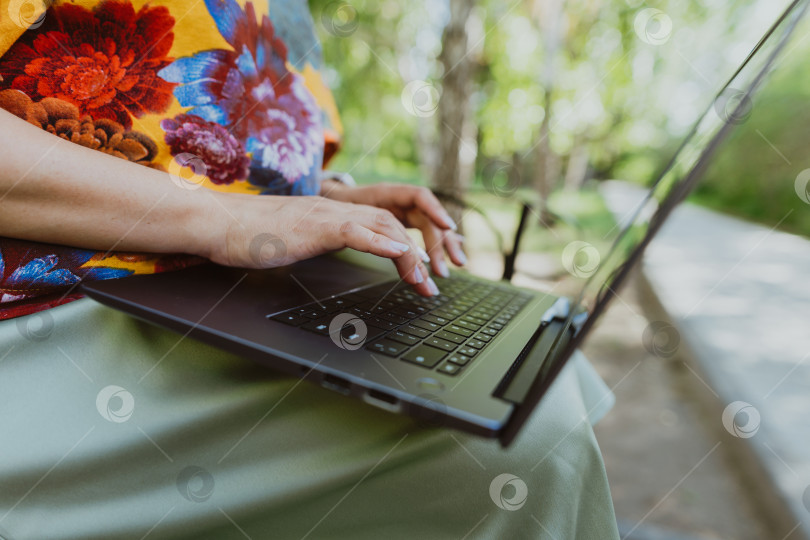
(449, 222)
(424, 255)
(461, 256)
(442, 266)
(417, 275)
(434, 290)
(399, 246)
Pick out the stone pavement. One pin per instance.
(738, 297)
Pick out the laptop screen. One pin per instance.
(604, 272)
(731, 107)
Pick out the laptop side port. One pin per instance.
(338, 384)
(382, 400)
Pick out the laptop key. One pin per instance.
(474, 320)
(467, 351)
(403, 338)
(408, 313)
(476, 344)
(424, 356)
(456, 329)
(352, 298)
(490, 331)
(439, 343)
(387, 347)
(449, 336)
(289, 318)
(396, 319)
(460, 359)
(441, 321)
(448, 313)
(415, 331)
(427, 325)
(449, 369)
(468, 325)
(319, 327)
(380, 323)
(483, 337)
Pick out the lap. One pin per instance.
(114, 428)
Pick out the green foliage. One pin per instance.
(626, 100)
(754, 175)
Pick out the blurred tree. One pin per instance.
(548, 13)
(456, 133)
(558, 93)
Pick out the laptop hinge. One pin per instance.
(515, 384)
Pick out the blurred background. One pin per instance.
(547, 104)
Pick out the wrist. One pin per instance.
(205, 222)
(334, 184)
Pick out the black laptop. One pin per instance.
(478, 357)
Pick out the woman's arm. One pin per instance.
(52, 190)
(55, 191)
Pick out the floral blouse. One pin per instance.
(221, 93)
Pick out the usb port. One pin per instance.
(382, 400)
(338, 384)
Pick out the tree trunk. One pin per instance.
(577, 171)
(457, 137)
(547, 163)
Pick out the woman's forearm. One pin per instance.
(55, 191)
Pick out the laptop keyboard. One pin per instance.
(445, 333)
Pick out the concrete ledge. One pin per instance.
(738, 296)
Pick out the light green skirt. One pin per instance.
(113, 428)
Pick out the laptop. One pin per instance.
(480, 356)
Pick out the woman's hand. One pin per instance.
(415, 207)
(268, 231)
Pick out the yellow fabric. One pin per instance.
(58, 49)
(16, 16)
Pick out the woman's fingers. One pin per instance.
(434, 240)
(454, 244)
(357, 237)
(423, 199)
(410, 263)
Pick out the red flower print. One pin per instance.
(223, 155)
(104, 61)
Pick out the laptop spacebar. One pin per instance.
(521, 381)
